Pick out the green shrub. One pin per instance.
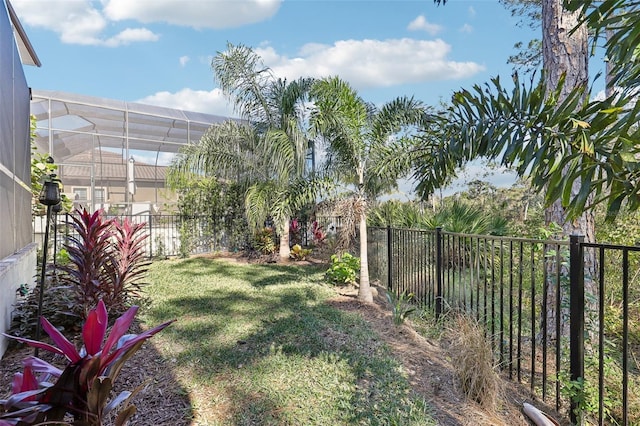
(264, 241)
(59, 306)
(344, 269)
(62, 257)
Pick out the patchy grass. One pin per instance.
(256, 344)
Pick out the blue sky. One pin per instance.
(159, 51)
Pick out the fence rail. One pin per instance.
(558, 313)
(168, 235)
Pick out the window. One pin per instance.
(100, 195)
(80, 194)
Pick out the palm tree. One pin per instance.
(353, 130)
(268, 150)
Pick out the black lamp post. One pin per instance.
(56, 209)
(50, 197)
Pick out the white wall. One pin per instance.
(15, 270)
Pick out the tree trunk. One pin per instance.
(364, 290)
(285, 250)
(567, 55)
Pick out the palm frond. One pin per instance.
(558, 145)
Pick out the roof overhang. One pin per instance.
(27, 52)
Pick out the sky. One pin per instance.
(159, 51)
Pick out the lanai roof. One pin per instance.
(69, 124)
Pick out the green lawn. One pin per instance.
(257, 345)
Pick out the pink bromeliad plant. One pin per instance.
(79, 394)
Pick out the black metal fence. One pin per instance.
(168, 235)
(562, 316)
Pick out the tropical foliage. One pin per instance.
(344, 269)
(549, 132)
(106, 261)
(557, 145)
(267, 152)
(213, 205)
(353, 132)
(44, 394)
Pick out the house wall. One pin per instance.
(17, 254)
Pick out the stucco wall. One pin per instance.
(15, 270)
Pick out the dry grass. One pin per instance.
(473, 361)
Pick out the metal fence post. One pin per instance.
(150, 237)
(439, 295)
(389, 257)
(576, 317)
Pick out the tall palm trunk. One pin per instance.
(285, 250)
(565, 54)
(364, 291)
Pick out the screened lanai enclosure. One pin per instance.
(113, 154)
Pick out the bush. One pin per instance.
(344, 269)
(264, 241)
(299, 253)
(59, 306)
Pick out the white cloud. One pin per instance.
(77, 22)
(193, 13)
(421, 24)
(131, 35)
(86, 22)
(372, 63)
(209, 102)
(183, 60)
(472, 11)
(466, 28)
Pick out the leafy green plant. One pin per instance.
(62, 257)
(59, 307)
(581, 393)
(344, 269)
(264, 241)
(44, 394)
(401, 306)
(186, 238)
(299, 253)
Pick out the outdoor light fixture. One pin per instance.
(50, 193)
(50, 197)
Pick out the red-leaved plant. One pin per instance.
(106, 261)
(44, 394)
(318, 233)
